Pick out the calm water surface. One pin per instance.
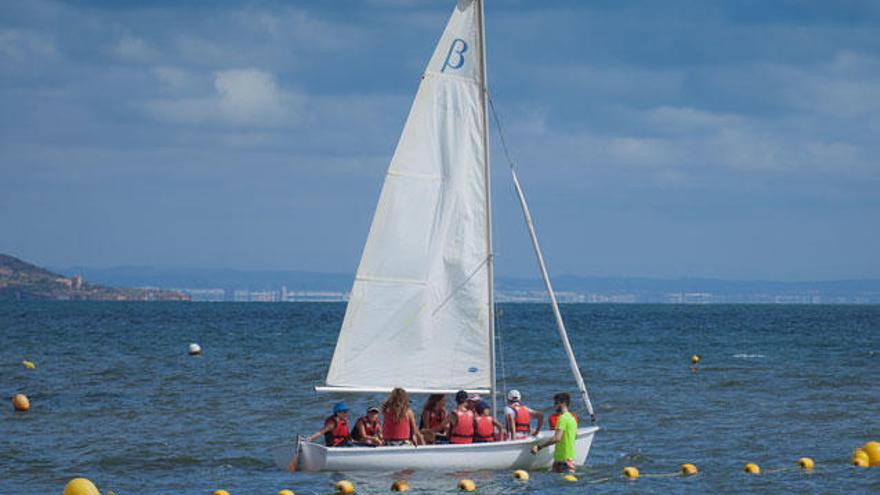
(116, 398)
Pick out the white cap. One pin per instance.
(514, 395)
(474, 397)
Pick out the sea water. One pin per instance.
(116, 398)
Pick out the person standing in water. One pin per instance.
(398, 421)
(518, 417)
(563, 437)
(335, 428)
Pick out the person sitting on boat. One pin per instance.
(564, 436)
(486, 427)
(472, 400)
(367, 429)
(551, 421)
(519, 417)
(398, 420)
(433, 417)
(461, 422)
(335, 428)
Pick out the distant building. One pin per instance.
(76, 282)
(263, 296)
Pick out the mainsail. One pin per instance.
(419, 315)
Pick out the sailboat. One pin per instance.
(421, 311)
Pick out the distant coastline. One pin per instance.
(20, 280)
(295, 286)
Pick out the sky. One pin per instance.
(725, 139)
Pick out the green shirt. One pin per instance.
(564, 450)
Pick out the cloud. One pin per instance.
(240, 97)
(133, 48)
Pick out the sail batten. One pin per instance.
(419, 315)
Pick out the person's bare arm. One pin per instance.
(557, 436)
(362, 430)
(413, 427)
(328, 426)
(540, 416)
(500, 429)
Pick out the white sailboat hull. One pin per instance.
(470, 457)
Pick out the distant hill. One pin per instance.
(20, 280)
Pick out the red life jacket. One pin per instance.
(338, 434)
(555, 417)
(435, 419)
(485, 429)
(522, 418)
(393, 429)
(463, 432)
(371, 429)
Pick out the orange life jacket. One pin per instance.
(393, 429)
(463, 432)
(485, 429)
(522, 418)
(371, 429)
(338, 434)
(555, 417)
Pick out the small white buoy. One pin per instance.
(195, 349)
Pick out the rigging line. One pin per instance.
(498, 332)
(500, 129)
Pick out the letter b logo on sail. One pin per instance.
(455, 56)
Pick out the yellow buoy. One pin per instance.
(860, 462)
(80, 486)
(400, 486)
(28, 364)
(806, 463)
(688, 469)
(630, 472)
(752, 468)
(285, 492)
(21, 403)
(521, 474)
(873, 451)
(344, 487)
(220, 492)
(570, 477)
(860, 454)
(467, 485)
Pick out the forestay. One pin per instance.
(418, 315)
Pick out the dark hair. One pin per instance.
(562, 398)
(481, 406)
(461, 396)
(432, 401)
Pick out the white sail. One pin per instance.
(418, 316)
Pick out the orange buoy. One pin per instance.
(21, 403)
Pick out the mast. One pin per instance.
(575, 370)
(488, 193)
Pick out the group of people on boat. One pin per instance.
(470, 421)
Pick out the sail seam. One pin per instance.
(453, 77)
(387, 280)
(414, 176)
